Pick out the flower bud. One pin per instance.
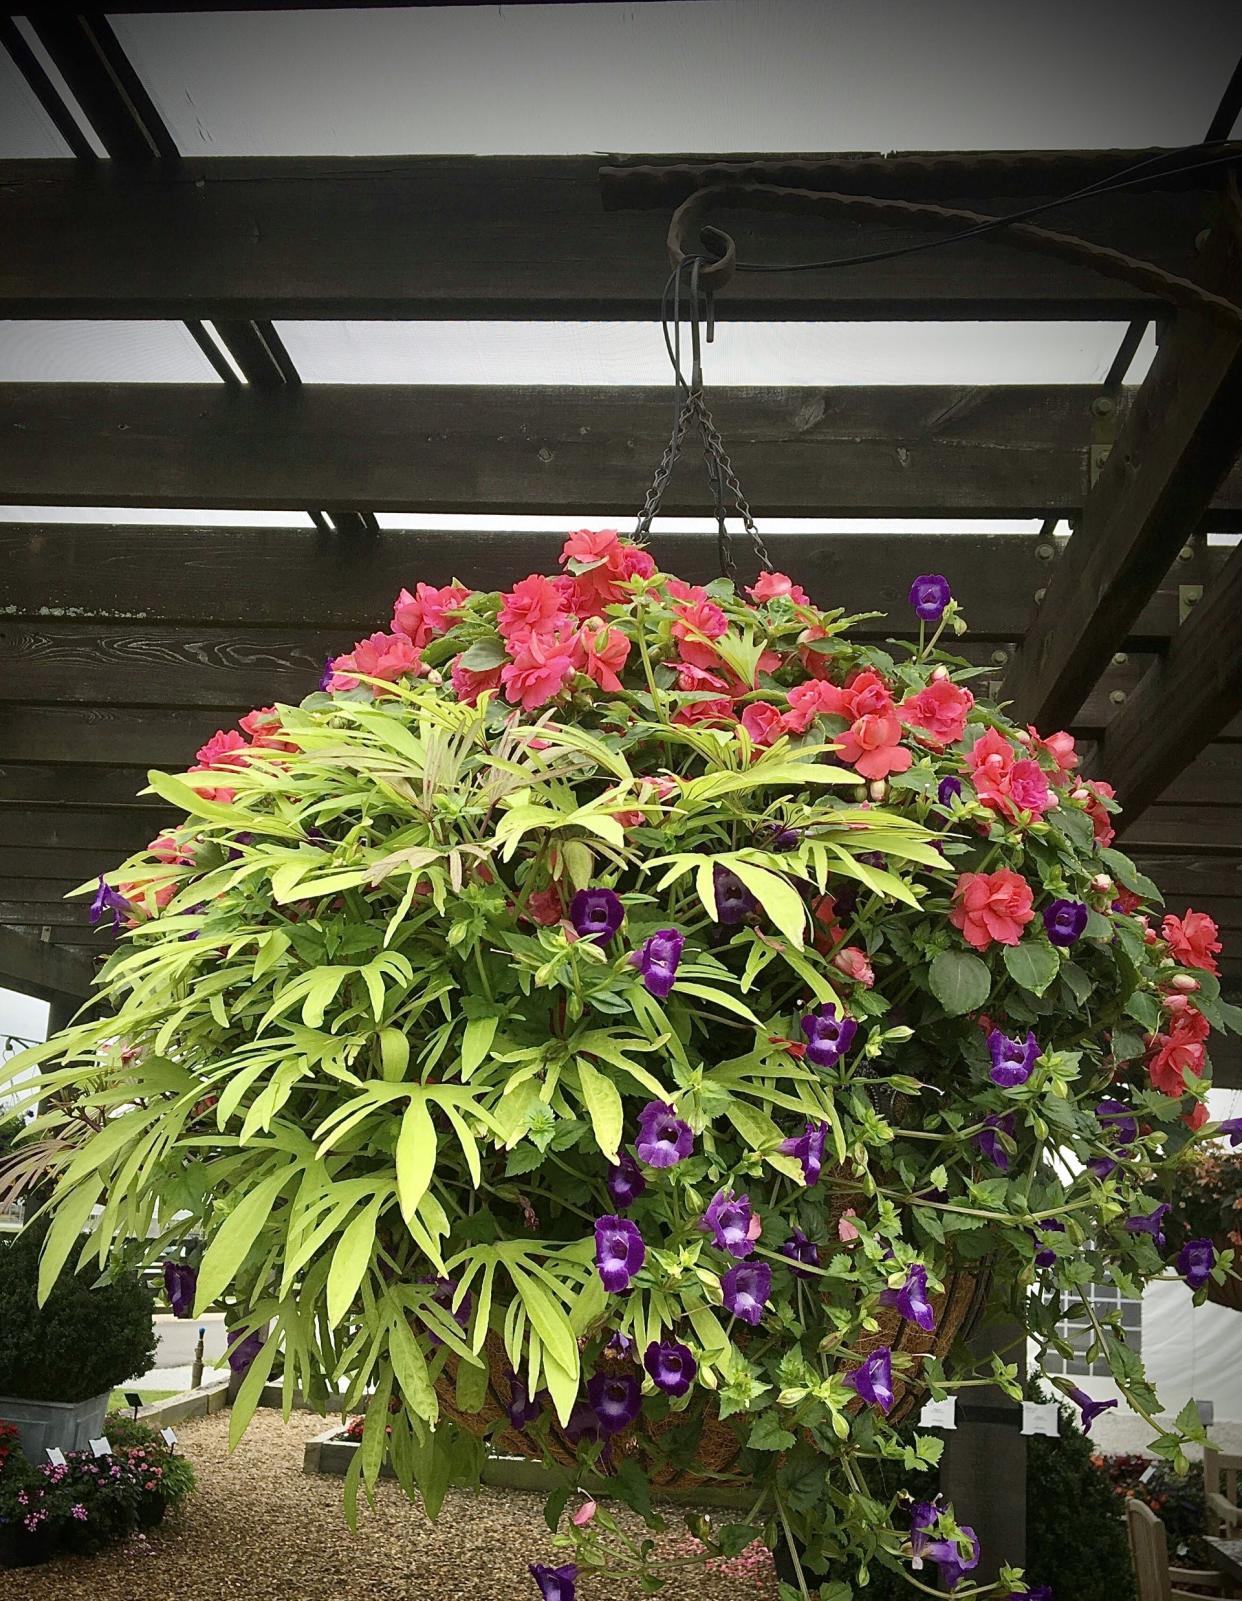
(939, 674)
(860, 794)
(1022, 737)
(1080, 793)
(434, 677)
(877, 789)
(1186, 984)
(1101, 884)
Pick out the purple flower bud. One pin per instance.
(596, 914)
(671, 1365)
(180, 1286)
(1195, 1262)
(523, 1408)
(1151, 1223)
(625, 1181)
(242, 1356)
(1090, 1409)
(616, 1398)
(732, 1223)
(619, 1252)
(873, 1381)
(442, 1295)
(929, 595)
(798, 1248)
(911, 1299)
(746, 1288)
(1064, 921)
(782, 836)
(949, 789)
(664, 1139)
(325, 678)
(555, 1584)
(828, 1036)
(1101, 1166)
(808, 1147)
(1045, 1256)
(1012, 1060)
(108, 902)
(988, 1140)
(1233, 1127)
(734, 902)
(657, 958)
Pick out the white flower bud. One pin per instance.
(877, 789)
(1185, 984)
(939, 674)
(1101, 884)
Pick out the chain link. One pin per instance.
(721, 475)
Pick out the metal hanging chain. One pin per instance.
(691, 410)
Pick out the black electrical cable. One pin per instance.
(1127, 178)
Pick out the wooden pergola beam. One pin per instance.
(891, 450)
(1176, 446)
(528, 238)
(1182, 703)
(37, 967)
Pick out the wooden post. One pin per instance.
(196, 1373)
(983, 1470)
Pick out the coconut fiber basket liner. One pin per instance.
(1230, 1292)
(957, 1309)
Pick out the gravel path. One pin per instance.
(258, 1529)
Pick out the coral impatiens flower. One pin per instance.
(1101, 819)
(468, 684)
(871, 745)
(605, 652)
(1192, 940)
(428, 611)
(777, 586)
(697, 624)
(532, 608)
(763, 723)
(386, 656)
(991, 908)
(940, 711)
(1007, 784)
(540, 669)
(223, 749)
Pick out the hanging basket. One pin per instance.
(1230, 1292)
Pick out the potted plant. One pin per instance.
(639, 1025)
(60, 1359)
(1206, 1203)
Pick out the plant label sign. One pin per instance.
(939, 1414)
(169, 1437)
(56, 1456)
(101, 1447)
(1040, 1417)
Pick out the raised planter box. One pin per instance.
(332, 1453)
(44, 1425)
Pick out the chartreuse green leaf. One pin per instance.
(409, 1365)
(250, 1392)
(416, 1156)
(231, 1244)
(71, 1218)
(394, 1053)
(959, 981)
(350, 1261)
(603, 1104)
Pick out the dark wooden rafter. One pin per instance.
(890, 450)
(37, 967)
(1177, 444)
(235, 239)
(1183, 702)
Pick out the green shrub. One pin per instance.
(87, 1337)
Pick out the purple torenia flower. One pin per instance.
(619, 1252)
(523, 1408)
(911, 1299)
(107, 903)
(616, 1398)
(625, 1181)
(1151, 1224)
(873, 1381)
(798, 1248)
(1090, 1409)
(555, 1584)
(442, 1295)
(1012, 1060)
(1064, 921)
(180, 1285)
(1101, 1166)
(671, 1365)
(746, 1288)
(1195, 1262)
(929, 595)
(1039, 1592)
(664, 1139)
(583, 1424)
(988, 1140)
(949, 789)
(325, 678)
(947, 1556)
(1045, 1256)
(782, 836)
(731, 1222)
(1118, 1121)
(734, 902)
(241, 1357)
(808, 1147)
(596, 914)
(656, 960)
(1233, 1127)
(828, 1036)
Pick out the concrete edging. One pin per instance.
(208, 1398)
